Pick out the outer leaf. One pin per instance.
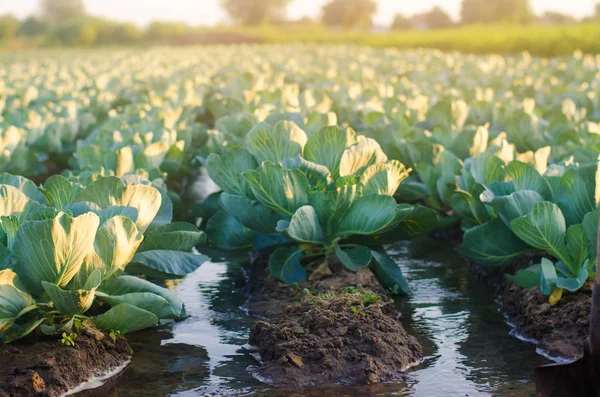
(126, 318)
(280, 189)
(354, 258)
(526, 177)
(13, 202)
(116, 242)
(318, 175)
(548, 277)
(126, 285)
(59, 191)
(590, 226)
(81, 208)
(367, 215)
(573, 283)
(250, 213)
(577, 245)
(487, 168)
(24, 185)
(327, 146)
(515, 205)
(165, 210)
(10, 225)
(18, 331)
(420, 222)
(73, 302)
(383, 178)
(227, 233)
(145, 300)
(526, 278)
(544, 228)
(275, 143)
(578, 192)
(168, 263)
(226, 170)
(339, 201)
(178, 236)
(388, 273)
(53, 250)
(13, 300)
(360, 156)
(285, 265)
(304, 226)
(492, 244)
(111, 191)
(116, 210)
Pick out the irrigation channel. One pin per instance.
(468, 346)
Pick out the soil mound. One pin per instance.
(336, 330)
(47, 368)
(560, 330)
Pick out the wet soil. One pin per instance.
(325, 332)
(44, 367)
(559, 331)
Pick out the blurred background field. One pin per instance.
(540, 27)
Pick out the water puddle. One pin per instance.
(468, 349)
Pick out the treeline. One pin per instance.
(66, 23)
(88, 31)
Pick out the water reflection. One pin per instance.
(468, 351)
(473, 353)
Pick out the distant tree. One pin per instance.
(80, 32)
(349, 13)
(489, 11)
(597, 10)
(165, 31)
(112, 32)
(556, 18)
(515, 11)
(60, 11)
(437, 19)
(253, 12)
(8, 27)
(33, 26)
(477, 11)
(401, 23)
(127, 33)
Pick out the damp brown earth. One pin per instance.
(341, 329)
(47, 368)
(558, 330)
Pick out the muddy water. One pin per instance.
(468, 349)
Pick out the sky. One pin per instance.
(208, 12)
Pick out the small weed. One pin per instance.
(368, 298)
(78, 325)
(395, 290)
(357, 311)
(351, 290)
(68, 340)
(115, 334)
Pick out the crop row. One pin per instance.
(321, 154)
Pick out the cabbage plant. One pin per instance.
(554, 214)
(310, 196)
(67, 251)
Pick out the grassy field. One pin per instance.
(538, 40)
